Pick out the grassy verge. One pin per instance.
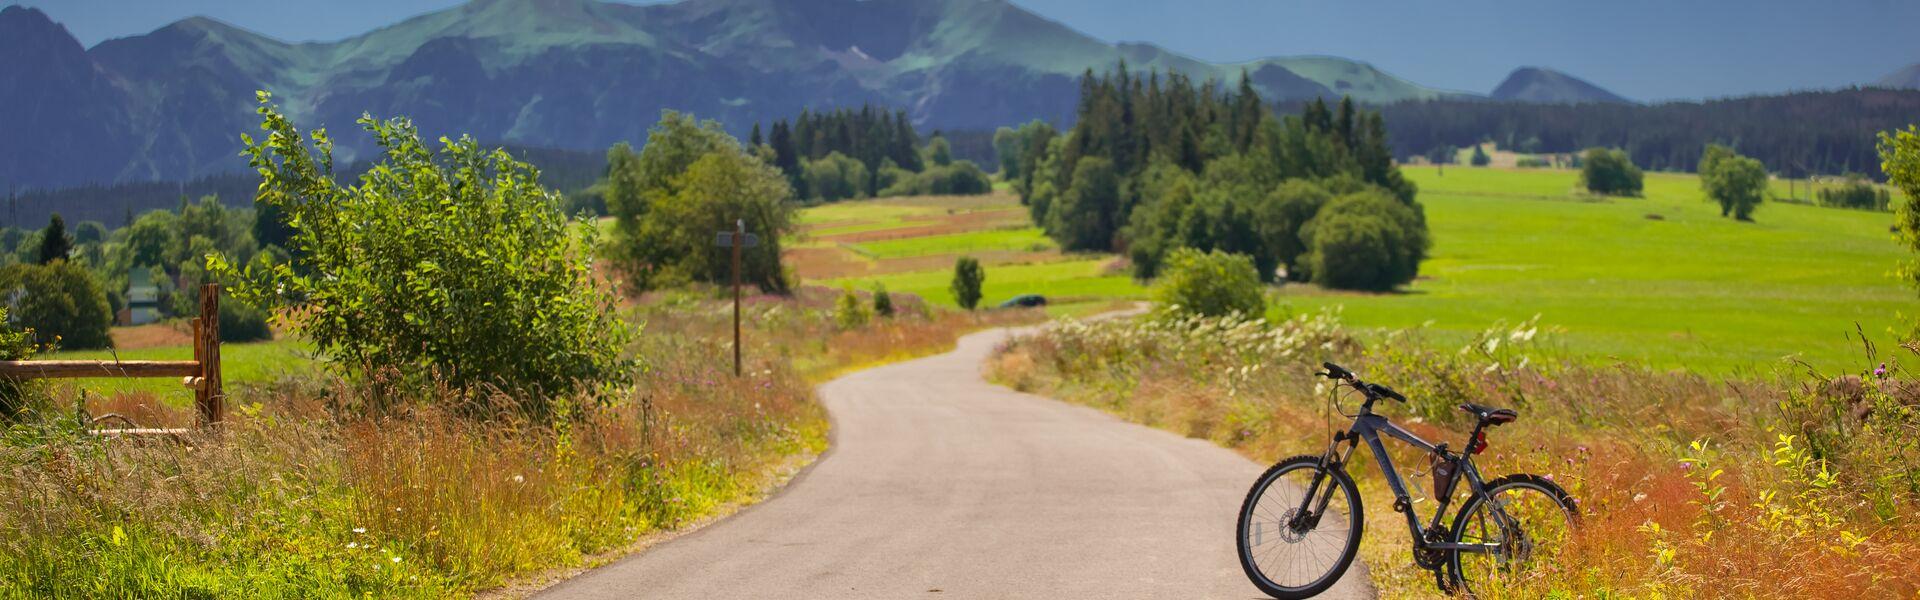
(299, 497)
(1782, 485)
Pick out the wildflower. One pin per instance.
(1640, 496)
(1548, 477)
(395, 559)
(1881, 372)
(519, 479)
(352, 545)
(359, 530)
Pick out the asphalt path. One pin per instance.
(939, 484)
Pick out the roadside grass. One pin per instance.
(1780, 485)
(252, 363)
(299, 497)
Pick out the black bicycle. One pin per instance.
(1301, 523)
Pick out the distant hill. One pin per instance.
(570, 74)
(1547, 86)
(1906, 78)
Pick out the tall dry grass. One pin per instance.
(1790, 484)
(328, 488)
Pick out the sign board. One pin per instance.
(725, 240)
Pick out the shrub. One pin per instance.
(1900, 160)
(454, 264)
(958, 178)
(62, 305)
(968, 277)
(882, 301)
(836, 177)
(1364, 241)
(1857, 193)
(16, 344)
(849, 312)
(241, 322)
(1610, 172)
(1480, 158)
(1533, 162)
(1211, 283)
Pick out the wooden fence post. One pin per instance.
(208, 396)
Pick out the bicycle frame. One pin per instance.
(1368, 426)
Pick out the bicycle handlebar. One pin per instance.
(1372, 390)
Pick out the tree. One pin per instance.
(90, 232)
(1082, 219)
(1211, 283)
(1365, 240)
(1609, 172)
(1900, 160)
(968, 277)
(55, 244)
(1736, 182)
(690, 181)
(939, 152)
(1480, 158)
(1006, 149)
(453, 264)
(61, 303)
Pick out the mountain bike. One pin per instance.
(1301, 523)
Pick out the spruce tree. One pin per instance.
(55, 244)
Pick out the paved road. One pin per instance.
(941, 485)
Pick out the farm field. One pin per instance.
(1661, 279)
(910, 244)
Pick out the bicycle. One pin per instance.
(1307, 507)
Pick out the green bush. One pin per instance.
(882, 301)
(1533, 162)
(1364, 241)
(849, 312)
(836, 177)
(957, 178)
(16, 344)
(1211, 283)
(61, 303)
(968, 277)
(1856, 193)
(453, 264)
(1609, 172)
(241, 322)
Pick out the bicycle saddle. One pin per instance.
(1491, 415)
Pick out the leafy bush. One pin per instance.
(1364, 241)
(1533, 162)
(1856, 193)
(61, 303)
(690, 182)
(882, 301)
(1211, 283)
(1900, 160)
(849, 312)
(968, 277)
(454, 264)
(16, 344)
(836, 177)
(1610, 172)
(956, 178)
(241, 322)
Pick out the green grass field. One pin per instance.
(1662, 279)
(241, 364)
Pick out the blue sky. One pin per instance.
(1644, 49)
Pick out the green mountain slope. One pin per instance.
(579, 74)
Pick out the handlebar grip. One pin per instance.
(1386, 391)
(1336, 372)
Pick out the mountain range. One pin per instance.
(1905, 78)
(1546, 86)
(584, 74)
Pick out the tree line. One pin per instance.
(1159, 162)
(1798, 134)
(862, 153)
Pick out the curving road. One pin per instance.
(941, 485)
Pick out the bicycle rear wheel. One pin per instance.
(1291, 553)
(1534, 523)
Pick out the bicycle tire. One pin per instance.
(1250, 563)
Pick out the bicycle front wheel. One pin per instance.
(1293, 546)
(1522, 523)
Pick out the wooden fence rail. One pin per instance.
(202, 374)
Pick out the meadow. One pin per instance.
(1661, 280)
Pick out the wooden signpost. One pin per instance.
(736, 239)
(202, 374)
